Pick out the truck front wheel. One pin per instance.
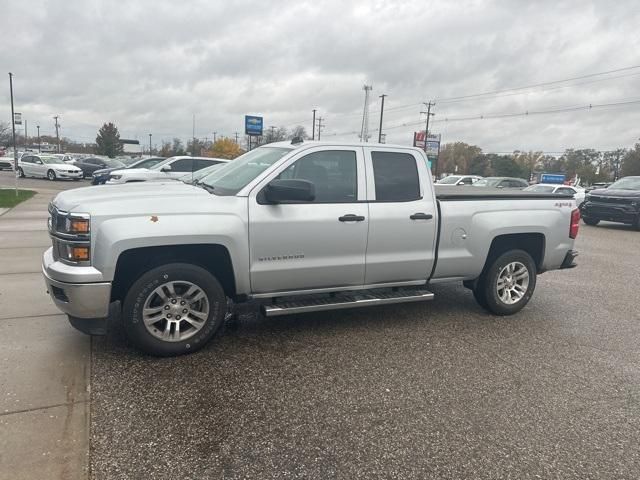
(507, 284)
(174, 309)
(591, 221)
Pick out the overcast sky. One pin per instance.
(150, 65)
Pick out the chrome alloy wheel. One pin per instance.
(175, 311)
(512, 283)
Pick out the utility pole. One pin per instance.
(214, 136)
(313, 134)
(320, 127)
(193, 142)
(150, 145)
(429, 115)
(26, 142)
(381, 114)
(57, 133)
(39, 149)
(13, 127)
(236, 137)
(364, 132)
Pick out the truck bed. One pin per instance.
(481, 193)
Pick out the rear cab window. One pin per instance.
(395, 176)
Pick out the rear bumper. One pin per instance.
(569, 259)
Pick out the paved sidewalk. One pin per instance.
(44, 379)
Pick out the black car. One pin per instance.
(89, 165)
(598, 186)
(101, 176)
(618, 203)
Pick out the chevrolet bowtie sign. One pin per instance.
(253, 125)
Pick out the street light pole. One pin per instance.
(39, 149)
(13, 127)
(313, 134)
(150, 145)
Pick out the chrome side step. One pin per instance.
(353, 299)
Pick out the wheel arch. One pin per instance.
(134, 262)
(532, 243)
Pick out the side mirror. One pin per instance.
(500, 186)
(166, 168)
(290, 191)
(461, 183)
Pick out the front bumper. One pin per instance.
(62, 174)
(623, 213)
(79, 300)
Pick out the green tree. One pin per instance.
(177, 147)
(631, 162)
(613, 161)
(506, 166)
(480, 166)
(108, 141)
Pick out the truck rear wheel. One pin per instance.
(174, 309)
(507, 284)
(591, 221)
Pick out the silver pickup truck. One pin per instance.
(293, 228)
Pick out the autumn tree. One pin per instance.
(456, 157)
(225, 148)
(108, 141)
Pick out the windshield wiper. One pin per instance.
(206, 186)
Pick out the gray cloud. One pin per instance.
(150, 65)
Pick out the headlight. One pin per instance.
(587, 196)
(78, 225)
(115, 177)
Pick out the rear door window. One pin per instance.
(395, 176)
(183, 165)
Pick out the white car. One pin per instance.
(171, 168)
(64, 157)
(458, 180)
(47, 166)
(577, 192)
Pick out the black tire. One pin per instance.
(51, 175)
(591, 221)
(486, 292)
(142, 291)
(20, 172)
(636, 225)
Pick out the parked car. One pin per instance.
(577, 192)
(102, 175)
(6, 163)
(88, 165)
(294, 228)
(47, 166)
(598, 186)
(458, 180)
(65, 157)
(501, 182)
(173, 167)
(193, 178)
(618, 203)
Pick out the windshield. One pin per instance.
(540, 188)
(111, 163)
(486, 182)
(199, 174)
(235, 175)
(450, 180)
(146, 163)
(627, 183)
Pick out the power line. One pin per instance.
(553, 82)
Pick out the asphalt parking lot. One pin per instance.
(435, 390)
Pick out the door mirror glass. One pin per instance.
(166, 168)
(461, 183)
(293, 190)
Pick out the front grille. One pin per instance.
(618, 200)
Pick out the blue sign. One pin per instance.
(552, 178)
(253, 125)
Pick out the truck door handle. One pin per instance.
(351, 218)
(421, 216)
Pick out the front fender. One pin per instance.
(116, 235)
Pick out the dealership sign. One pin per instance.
(17, 118)
(253, 125)
(433, 142)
